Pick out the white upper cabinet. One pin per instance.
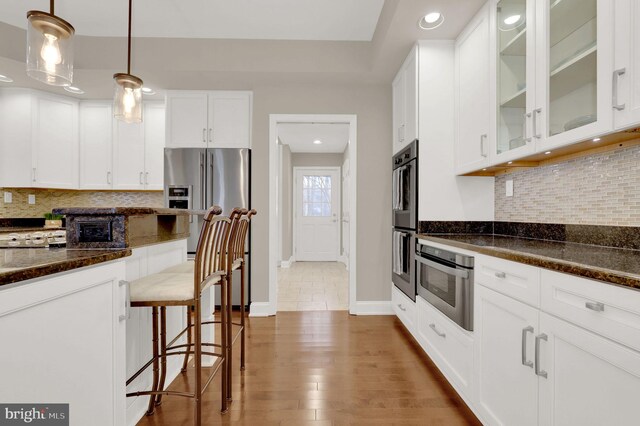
(139, 151)
(473, 95)
(208, 119)
(553, 73)
(405, 102)
(154, 134)
(626, 74)
(15, 138)
(96, 130)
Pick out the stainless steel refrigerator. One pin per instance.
(198, 178)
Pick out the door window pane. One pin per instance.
(316, 196)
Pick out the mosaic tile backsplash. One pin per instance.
(599, 189)
(47, 199)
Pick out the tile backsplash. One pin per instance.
(599, 189)
(47, 199)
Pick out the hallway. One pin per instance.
(313, 286)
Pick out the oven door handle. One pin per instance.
(462, 273)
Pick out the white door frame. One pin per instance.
(271, 307)
(295, 212)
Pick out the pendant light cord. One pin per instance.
(129, 47)
(51, 6)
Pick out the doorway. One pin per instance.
(319, 265)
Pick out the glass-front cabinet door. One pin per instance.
(515, 71)
(574, 50)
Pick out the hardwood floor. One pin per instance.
(327, 368)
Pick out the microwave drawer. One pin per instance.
(522, 282)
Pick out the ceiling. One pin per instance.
(223, 19)
(342, 43)
(300, 137)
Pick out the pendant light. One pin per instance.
(49, 48)
(127, 102)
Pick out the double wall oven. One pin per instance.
(405, 218)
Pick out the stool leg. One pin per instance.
(229, 335)
(186, 355)
(197, 353)
(163, 351)
(242, 321)
(223, 344)
(154, 387)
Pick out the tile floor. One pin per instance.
(313, 286)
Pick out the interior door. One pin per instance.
(317, 208)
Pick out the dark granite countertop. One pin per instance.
(607, 264)
(25, 264)
(125, 211)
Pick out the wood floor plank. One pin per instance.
(326, 369)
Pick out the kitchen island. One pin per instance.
(64, 316)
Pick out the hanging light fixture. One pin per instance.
(49, 48)
(127, 102)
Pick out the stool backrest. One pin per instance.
(240, 228)
(211, 252)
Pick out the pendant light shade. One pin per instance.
(49, 48)
(127, 101)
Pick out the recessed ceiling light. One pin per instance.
(317, 142)
(510, 20)
(484, 170)
(148, 91)
(547, 153)
(431, 20)
(510, 162)
(74, 90)
(596, 139)
(5, 79)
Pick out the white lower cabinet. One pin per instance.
(506, 385)
(449, 346)
(64, 342)
(404, 308)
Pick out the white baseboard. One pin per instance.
(286, 263)
(382, 307)
(260, 309)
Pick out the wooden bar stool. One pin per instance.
(241, 220)
(178, 286)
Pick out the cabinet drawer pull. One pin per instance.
(141, 178)
(402, 308)
(537, 369)
(525, 362)
(595, 306)
(616, 79)
(204, 135)
(433, 327)
(109, 178)
(146, 178)
(210, 132)
(500, 275)
(34, 174)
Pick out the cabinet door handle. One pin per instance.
(595, 306)
(500, 275)
(109, 178)
(146, 178)
(210, 132)
(33, 178)
(616, 79)
(402, 308)
(204, 135)
(537, 369)
(536, 134)
(402, 138)
(141, 181)
(526, 117)
(483, 150)
(127, 302)
(526, 330)
(433, 327)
